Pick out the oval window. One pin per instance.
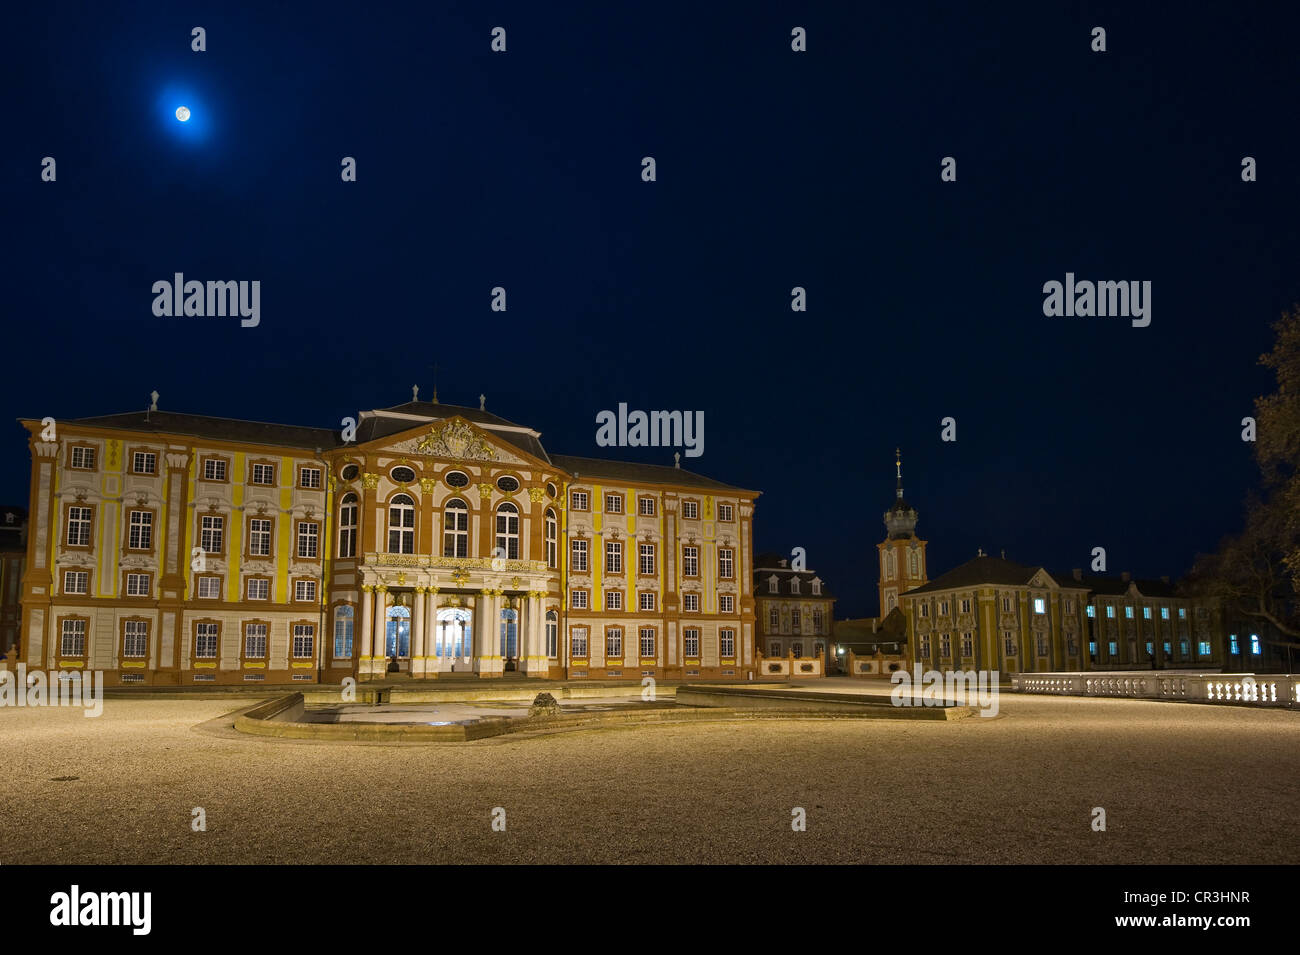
(402, 475)
(550, 489)
(508, 484)
(350, 472)
(456, 479)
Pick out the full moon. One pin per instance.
(182, 113)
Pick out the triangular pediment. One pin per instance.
(452, 439)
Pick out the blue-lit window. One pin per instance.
(1254, 644)
(1232, 644)
(1151, 649)
(1114, 648)
(510, 633)
(1203, 648)
(1128, 613)
(1182, 613)
(1092, 611)
(1092, 649)
(1146, 613)
(1182, 649)
(1168, 648)
(1164, 613)
(397, 640)
(343, 633)
(1040, 605)
(1110, 611)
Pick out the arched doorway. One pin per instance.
(510, 639)
(453, 640)
(397, 640)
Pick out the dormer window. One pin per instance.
(773, 583)
(794, 585)
(817, 587)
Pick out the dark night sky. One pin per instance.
(775, 169)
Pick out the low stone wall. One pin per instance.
(825, 704)
(1248, 689)
(769, 667)
(880, 665)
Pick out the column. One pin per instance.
(417, 634)
(536, 663)
(367, 630)
(431, 662)
(489, 642)
(379, 661)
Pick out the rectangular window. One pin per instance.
(212, 534)
(925, 647)
(965, 605)
(614, 643)
(83, 459)
(1006, 605)
(214, 469)
(1128, 612)
(1040, 605)
(259, 588)
(943, 610)
(1091, 611)
(727, 643)
(1164, 613)
(137, 585)
(209, 588)
(1110, 611)
(76, 582)
(647, 560)
(967, 645)
(646, 506)
(259, 537)
(1203, 648)
(255, 641)
(726, 563)
(613, 557)
(343, 634)
(1182, 613)
(263, 473)
(144, 462)
(304, 590)
(577, 500)
(1114, 648)
(727, 603)
(1042, 645)
(135, 639)
(579, 600)
(304, 635)
(690, 561)
(773, 619)
(613, 503)
(691, 603)
(1008, 641)
(73, 643)
(205, 640)
(648, 602)
(139, 530)
(578, 558)
(1146, 613)
(690, 510)
(613, 600)
(1233, 647)
(308, 539)
(578, 642)
(647, 642)
(925, 610)
(691, 644)
(724, 512)
(945, 645)
(1069, 606)
(309, 477)
(796, 621)
(79, 526)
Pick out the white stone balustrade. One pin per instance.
(1262, 689)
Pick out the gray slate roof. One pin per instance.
(595, 469)
(221, 429)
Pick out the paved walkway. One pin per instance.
(1179, 783)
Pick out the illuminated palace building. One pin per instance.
(170, 548)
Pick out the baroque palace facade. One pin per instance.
(170, 549)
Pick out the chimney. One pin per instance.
(1126, 576)
(1077, 573)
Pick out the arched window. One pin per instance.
(401, 525)
(453, 634)
(348, 527)
(343, 633)
(552, 633)
(552, 536)
(509, 634)
(398, 642)
(455, 529)
(508, 531)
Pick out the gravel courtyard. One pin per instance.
(1179, 783)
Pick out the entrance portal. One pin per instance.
(453, 641)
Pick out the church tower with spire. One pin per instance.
(902, 553)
